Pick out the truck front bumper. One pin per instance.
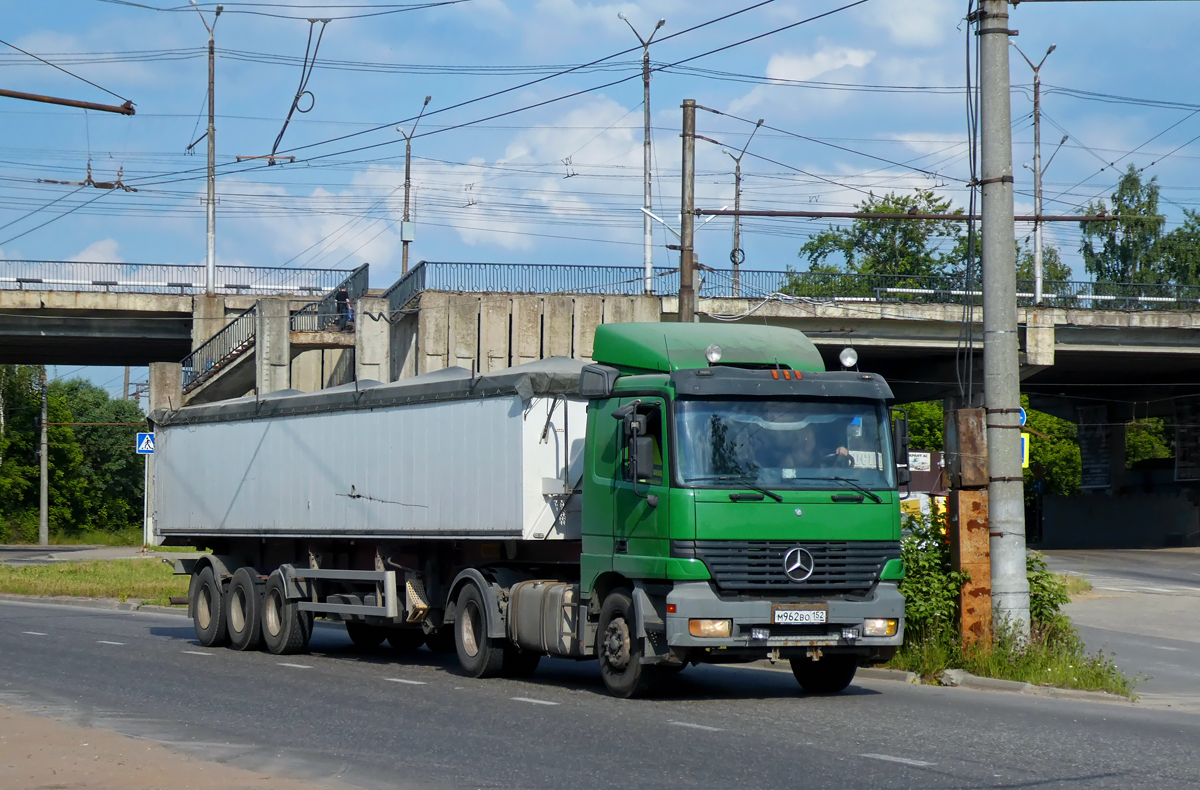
(699, 600)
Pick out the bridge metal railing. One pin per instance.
(317, 316)
(216, 353)
(161, 278)
(760, 284)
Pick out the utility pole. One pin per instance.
(1037, 169)
(736, 255)
(1001, 387)
(647, 239)
(43, 459)
(125, 389)
(406, 230)
(210, 260)
(687, 217)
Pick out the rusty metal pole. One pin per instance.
(687, 220)
(965, 448)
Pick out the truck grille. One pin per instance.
(757, 565)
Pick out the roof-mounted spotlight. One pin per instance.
(848, 358)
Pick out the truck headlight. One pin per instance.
(710, 628)
(880, 627)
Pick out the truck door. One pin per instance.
(641, 527)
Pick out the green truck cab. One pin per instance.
(739, 503)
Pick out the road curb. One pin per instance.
(882, 673)
(963, 679)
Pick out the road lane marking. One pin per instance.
(195, 653)
(294, 666)
(409, 682)
(704, 727)
(905, 760)
(35, 633)
(533, 701)
(106, 642)
(1156, 647)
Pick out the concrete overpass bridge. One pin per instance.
(1132, 349)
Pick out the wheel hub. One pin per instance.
(616, 644)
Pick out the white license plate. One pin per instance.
(799, 616)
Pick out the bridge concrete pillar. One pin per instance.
(272, 346)
(166, 385)
(372, 340)
(208, 318)
(1039, 338)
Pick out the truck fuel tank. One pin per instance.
(543, 617)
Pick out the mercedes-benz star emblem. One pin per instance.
(798, 564)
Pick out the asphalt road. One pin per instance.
(376, 719)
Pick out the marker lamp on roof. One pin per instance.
(848, 358)
(713, 354)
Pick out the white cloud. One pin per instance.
(914, 23)
(104, 251)
(800, 67)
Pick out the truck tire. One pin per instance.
(285, 629)
(441, 641)
(208, 611)
(243, 602)
(828, 676)
(405, 640)
(620, 651)
(365, 636)
(519, 663)
(478, 655)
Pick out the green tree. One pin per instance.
(1145, 439)
(1179, 251)
(925, 425)
(890, 246)
(1053, 268)
(1054, 447)
(1127, 248)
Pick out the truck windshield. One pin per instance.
(783, 444)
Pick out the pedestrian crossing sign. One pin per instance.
(145, 444)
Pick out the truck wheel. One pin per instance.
(365, 636)
(285, 629)
(442, 640)
(620, 651)
(242, 604)
(828, 676)
(519, 663)
(405, 640)
(479, 656)
(208, 613)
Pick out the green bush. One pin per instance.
(1053, 653)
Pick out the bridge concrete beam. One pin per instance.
(372, 340)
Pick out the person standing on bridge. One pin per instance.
(342, 301)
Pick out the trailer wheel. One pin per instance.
(405, 640)
(620, 651)
(242, 605)
(208, 613)
(828, 676)
(519, 663)
(365, 636)
(479, 656)
(285, 629)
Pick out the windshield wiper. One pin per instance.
(856, 486)
(745, 481)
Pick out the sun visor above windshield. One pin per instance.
(738, 382)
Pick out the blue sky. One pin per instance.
(560, 183)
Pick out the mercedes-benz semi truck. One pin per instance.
(697, 493)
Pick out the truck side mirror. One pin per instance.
(643, 457)
(900, 446)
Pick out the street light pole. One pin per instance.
(406, 234)
(687, 217)
(210, 258)
(647, 239)
(736, 255)
(1001, 386)
(1037, 169)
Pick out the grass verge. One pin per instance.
(1054, 655)
(128, 537)
(1075, 584)
(152, 581)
